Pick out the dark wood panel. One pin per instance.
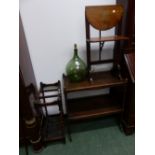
(28, 122)
(25, 59)
(127, 27)
(130, 62)
(102, 61)
(129, 110)
(91, 107)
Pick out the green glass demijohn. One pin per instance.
(76, 68)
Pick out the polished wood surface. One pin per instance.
(107, 38)
(104, 17)
(100, 80)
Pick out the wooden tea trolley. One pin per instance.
(101, 18)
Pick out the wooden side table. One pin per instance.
(95, 106)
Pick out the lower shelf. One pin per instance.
(53, 129)
(91, 107)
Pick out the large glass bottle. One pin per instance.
(76, 69)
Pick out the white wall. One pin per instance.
(51, 28)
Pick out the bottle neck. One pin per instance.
(75, 52)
